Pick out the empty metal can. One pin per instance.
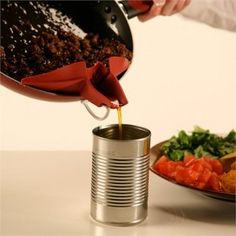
(120, 170)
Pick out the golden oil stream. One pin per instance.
(119, 113)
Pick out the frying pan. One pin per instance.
(107, 18)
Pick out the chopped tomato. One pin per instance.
(205, 163)
(193, 175)
(201, 185)
(201, 173)
(160, 160)
(197, 167)
(181, 175)
(205, 176)
(217, 166)
(214, 182)
(163, 159)
(171, 168)
(186, 176)
(189, 159)
(161, 165)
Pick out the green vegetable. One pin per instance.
(199, 142)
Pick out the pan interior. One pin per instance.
(31, 19)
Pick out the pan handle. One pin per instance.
(136, 7)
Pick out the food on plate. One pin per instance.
(195, 160)
(200, 143)
(229, 161)
(228, 179)
(202, 173)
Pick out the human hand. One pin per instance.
(164, 8)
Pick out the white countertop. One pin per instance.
(48, 193)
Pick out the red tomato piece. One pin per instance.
(193, 176)
(186, 176)
(166, 166)
(189, 160)
(181, 175)
(162, 159)
(203, 179)
(197, 167)
(214, 182)
(171, 168)
(161, 167)
(205, 176)
(207, 159)
(205, 163)
(201, 185)
(217, 166)
(180, 163)
(201, 173)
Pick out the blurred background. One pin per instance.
(183, 74)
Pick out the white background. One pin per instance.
(183, 74)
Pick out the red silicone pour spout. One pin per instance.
(98, 84)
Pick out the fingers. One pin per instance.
(180, 6)
(174, 6)
(154, 11)
(165, 8)
(169, 7)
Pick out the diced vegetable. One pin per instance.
(202, 173)
(199, 143)
(228, 181)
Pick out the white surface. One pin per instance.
(48, 193)
(183, 74)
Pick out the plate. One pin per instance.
(155, 154)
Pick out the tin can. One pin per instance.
(120, 172)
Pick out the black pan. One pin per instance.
(107, 18)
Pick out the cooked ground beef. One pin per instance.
(37, 38)
(48, 51)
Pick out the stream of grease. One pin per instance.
(119, 113)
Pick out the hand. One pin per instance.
(164, 8)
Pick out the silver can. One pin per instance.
(120, 171)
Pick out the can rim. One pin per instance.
(135, 127)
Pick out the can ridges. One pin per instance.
(120, 175)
